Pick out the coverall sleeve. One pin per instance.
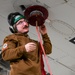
(47, 44)
(10, 51)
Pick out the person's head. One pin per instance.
(18, 23)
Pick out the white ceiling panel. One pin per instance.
(4, 28)
(69, 62)
(52, 3)
(60, 27)
(71, 3)
(6, 7)
(54, 65)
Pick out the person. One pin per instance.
(20, 50)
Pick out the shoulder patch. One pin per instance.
(4, 46)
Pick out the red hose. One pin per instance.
(39, 38)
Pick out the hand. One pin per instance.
(30, 47)
(42, 29)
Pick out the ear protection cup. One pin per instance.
(11, 28)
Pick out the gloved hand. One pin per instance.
(30, 47)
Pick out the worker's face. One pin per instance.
(22, 26)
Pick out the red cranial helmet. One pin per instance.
(36, 13)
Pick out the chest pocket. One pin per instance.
(23, 40)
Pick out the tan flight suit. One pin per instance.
(22, 62)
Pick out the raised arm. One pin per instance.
(46, 40)
(10, 51)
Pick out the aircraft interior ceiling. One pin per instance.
(60, 27)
